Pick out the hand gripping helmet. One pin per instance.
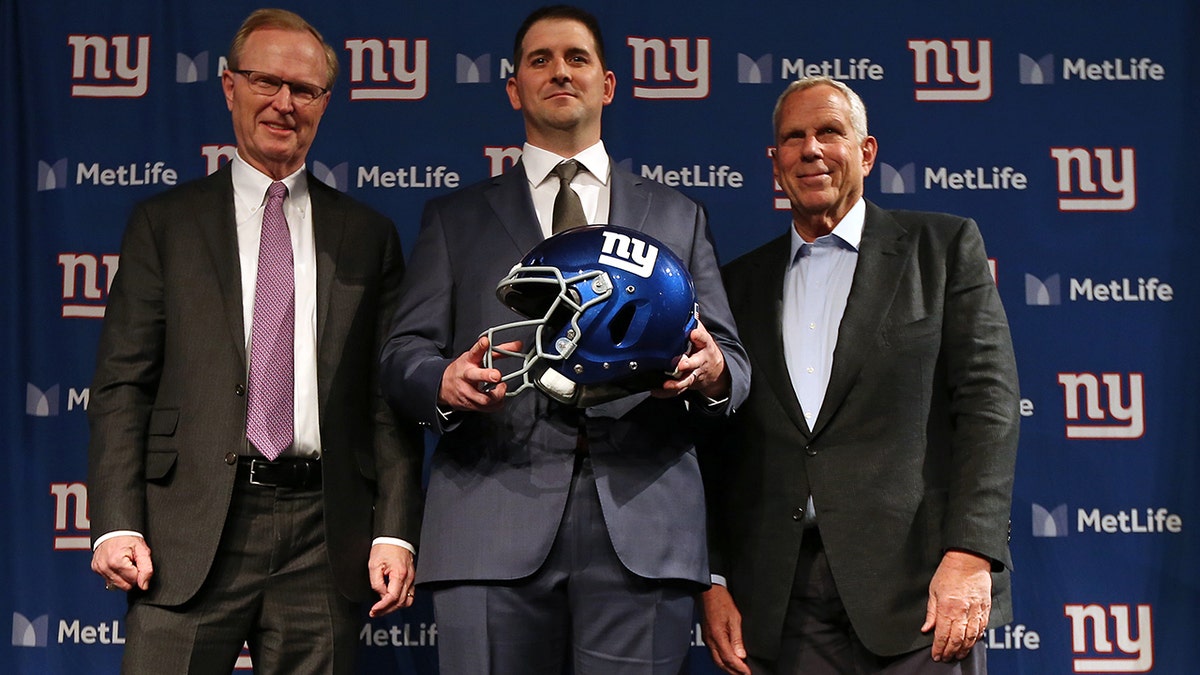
(611, 311)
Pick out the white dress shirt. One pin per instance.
(591, 185)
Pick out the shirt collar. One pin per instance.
(539, 163)
(250, 186)
(846, 234)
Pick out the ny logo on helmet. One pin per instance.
(629, 254)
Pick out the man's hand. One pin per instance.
(703, 370)
(124, 562)
(960, 601)
(721, 626)
(392, 571)
(467, 385)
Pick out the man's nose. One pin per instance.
(282, 100)
(561, 73)
(811, 148)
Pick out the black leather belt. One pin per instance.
(293, 473)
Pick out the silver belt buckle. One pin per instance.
(253, 480)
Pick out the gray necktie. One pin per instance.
(568, 210)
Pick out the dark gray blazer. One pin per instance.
(168, 398)
(498, 482)
(914, 449)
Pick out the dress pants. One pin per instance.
(582, 609)
(819, 640)
(270, 586)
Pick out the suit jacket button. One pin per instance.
(798, 514)
(810, 451)
(231, 458)
(240, 390)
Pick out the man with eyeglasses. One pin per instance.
(247, 481)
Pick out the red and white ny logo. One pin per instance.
(683, 81)
(1122, 191)
(215, 156)
(1120, 421)
(128, 78)
(500, 158)
(72, 527)
(1137, 653)
(81, 276)
(965, 83)
(371, 79)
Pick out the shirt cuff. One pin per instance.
(394, 541)
(718, 580)
(116, 533)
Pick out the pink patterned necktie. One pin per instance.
(269, 411)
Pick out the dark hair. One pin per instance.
(564, 12)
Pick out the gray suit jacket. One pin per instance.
(499, 481)
(914, 448)
(168, 398)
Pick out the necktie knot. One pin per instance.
(566, 171)
(277, 190)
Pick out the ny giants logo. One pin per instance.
(501, 159)
(650, 65)
(72, 527)
(1139, 650)
(1120, 421)
(129, 76)
(215, 156)
(970, 84)
(1122, 190)
(629, 254)
(81, 277)
(379, 83)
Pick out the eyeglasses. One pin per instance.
(269, 85)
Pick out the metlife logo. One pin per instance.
(903, 180)
(56, 175)
(192, 69)
(1057, 521)
(1043, 69)
(1047, 291)
(29, 632)
(468, 70)
(36, 632)
(759, 70)
(45, 402)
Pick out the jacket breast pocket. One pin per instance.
(920, 331)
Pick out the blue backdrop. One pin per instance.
(1066, 129)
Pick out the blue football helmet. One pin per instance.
(611, 311)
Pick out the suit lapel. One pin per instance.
(329, 225)
(882, 257)
(769, 320)
(510, 200)
(214, 217)
(628, 203)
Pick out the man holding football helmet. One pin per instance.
(564, 519)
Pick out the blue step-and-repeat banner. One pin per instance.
(1067, 129)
